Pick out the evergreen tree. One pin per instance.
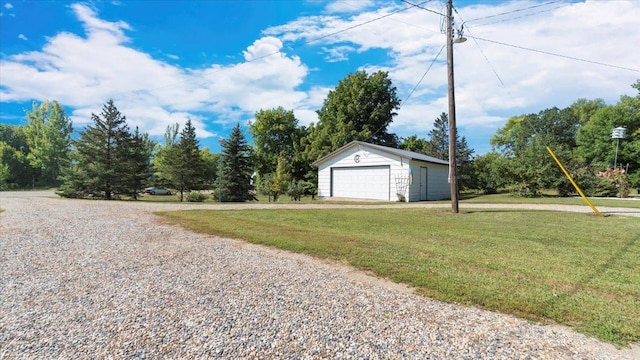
(139, 154)
(438, 147)
(236, 168)
(101, 156)
(438, 144)
(184, 166)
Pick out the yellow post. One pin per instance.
(566, 173)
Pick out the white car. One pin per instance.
(157, 191)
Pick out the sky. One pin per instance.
(218, 62)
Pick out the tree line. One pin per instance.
(581, 136)
(109, 160)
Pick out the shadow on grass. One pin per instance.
(605, 327)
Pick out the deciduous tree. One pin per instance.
(275, 133)
(360, 108)
(415, 144)
(48, 134)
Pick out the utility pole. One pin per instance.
(453, 178)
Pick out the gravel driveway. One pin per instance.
(105, 279)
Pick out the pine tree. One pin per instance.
(139, 155)
(236, 168)
(438, 147)
(101, 156)
(438, 144)
(183, 166)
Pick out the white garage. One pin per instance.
(360, 170)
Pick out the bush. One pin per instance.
(309, 189)
(295, 190)
(615, 181)
(524, 190)
(196, 196)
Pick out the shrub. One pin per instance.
(295, 190)
(524, 190)
(617, 181)
(196, 196)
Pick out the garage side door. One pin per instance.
(367, 182)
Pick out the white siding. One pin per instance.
(437, 178)
(436, 182)
(437, 189)
(366, 158)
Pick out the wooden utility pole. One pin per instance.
(453, 178)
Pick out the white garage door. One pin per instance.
(370, 182)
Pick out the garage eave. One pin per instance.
(398, 152)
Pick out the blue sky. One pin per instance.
(218, 62)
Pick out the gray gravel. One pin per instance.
(97, 279)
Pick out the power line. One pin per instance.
(422, 7)
(414, 88)
(495, 72)
(520, 17)
(221, 69)
(366, 22)
(422, 78)
(557, 55)
(514, 11)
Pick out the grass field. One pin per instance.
(548, 199)
(574, 269)
(503, 198)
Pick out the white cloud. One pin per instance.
(343, 6)
(95, 27)
(84, 72)
(598, 31)
(22, 37)
(305, 111)
(337, 53)
(8, 6)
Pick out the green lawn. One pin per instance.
(503, 198)
(506, 198)
(576, 269)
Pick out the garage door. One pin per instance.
(368, 182)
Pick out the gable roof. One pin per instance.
(398, 152)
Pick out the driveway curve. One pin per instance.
(101, 279)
